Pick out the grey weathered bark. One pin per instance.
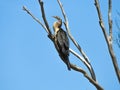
(108, 37)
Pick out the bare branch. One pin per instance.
(109, 18)
(78, 56)
(43, 16)
(75, 43)
(50, 35)
(37, 20)
(74, 67)
(107, 37)
(114, 60)
(82, 59)
(101, 20)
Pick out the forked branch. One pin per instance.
(108, 38)
(37, 20)
(74, 67)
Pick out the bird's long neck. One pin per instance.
(57, 26)
(56, 30)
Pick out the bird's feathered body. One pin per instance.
(62, 43)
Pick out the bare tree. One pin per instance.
(108, 37)
(82, 56)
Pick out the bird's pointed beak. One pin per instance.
(54, 17)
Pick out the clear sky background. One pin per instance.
(28, 59)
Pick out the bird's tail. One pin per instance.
(68, 66)
(68, 63)
(65, 59)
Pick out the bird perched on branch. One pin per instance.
(61, 41)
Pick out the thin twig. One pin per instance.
(74, 67)
(116, 22)
(37, 20)
(107, 37)
(118, 26)
(118, 13)
(75, 43)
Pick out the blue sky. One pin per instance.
(28, 59)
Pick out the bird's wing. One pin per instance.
(63, 41)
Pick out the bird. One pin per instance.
(61, 41)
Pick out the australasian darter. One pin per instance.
(61, 41)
